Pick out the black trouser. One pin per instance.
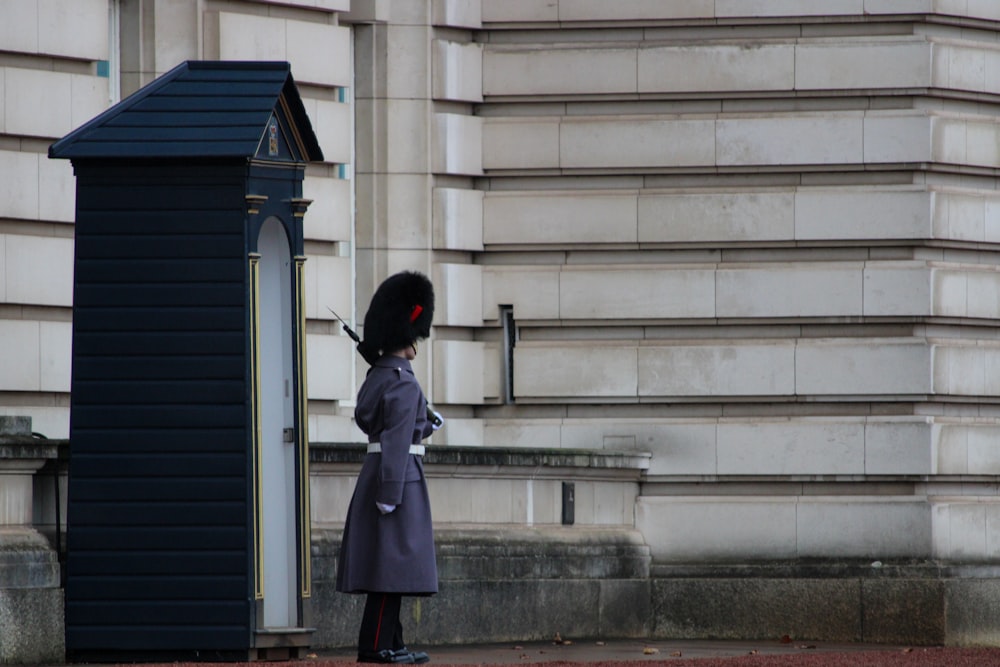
(380, 626)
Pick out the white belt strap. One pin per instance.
(376, 448)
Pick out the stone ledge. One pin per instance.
(342, 452)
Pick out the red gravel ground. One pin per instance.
(916, 657)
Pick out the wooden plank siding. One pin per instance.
(159, 530)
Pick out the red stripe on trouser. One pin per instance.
(378, 627)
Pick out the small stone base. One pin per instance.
(32, 629)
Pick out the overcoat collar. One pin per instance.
(394, 362)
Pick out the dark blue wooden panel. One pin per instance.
(84, 634)
(126, 612)
(143, 538)
(178, 513)
(166, 368)
(158, 294)
(155, 464)
(181, 318)
(172, 441)
(156, 587)
(160, 416)
(163, 392)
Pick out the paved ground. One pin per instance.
(698, 654)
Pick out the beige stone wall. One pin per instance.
(756, 239)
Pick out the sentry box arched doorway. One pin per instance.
(188, 510)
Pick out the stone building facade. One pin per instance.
(749, 250)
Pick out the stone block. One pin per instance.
(863, 527)
(778, 8)
(458, 372)
(19, 29)
(904, 611)
(680, 291)
(949, 140)
(791, 447)
(33, 628)
(717, 369)
(328, 285)
(719, 67)
(891, 137)
(596, 10)
(326, 354)
(532, 291)
(457, 13)
(558, 71)
(19, 370)
(559, 218)
(888, 366)
(55, 344)
(19, 426)
(950, 290)
(952, 451)
(638, 142)
(248, 37)
(56, 189)
(520, 143)
(699, 529)
(459, 295)
(521, 433)
(39, 270)
(332, 123)
(3, 267)
(517, 11)
(329, 215)
(19, 187)
(457, 219)
(842, 213)
(77, 30)
(972, 606)
(50, 114)
(458, 144)
(407, 77)
(962, 369)
(863, 64)
(624, 608)
(461, 432)
(756, 608)
(897, 289)
(569, 370)
(982, 139)
(408, 211)
(457, 71)
(716, 217)
(983, 457)
(900, 447)
(827, 289)
(407, 144)
(787, 139)
(962, 217)
(962, 67)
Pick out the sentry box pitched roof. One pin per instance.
(203, 109)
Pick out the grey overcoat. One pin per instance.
(390, 553)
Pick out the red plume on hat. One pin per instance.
(400, 313)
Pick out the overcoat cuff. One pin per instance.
(390, 492)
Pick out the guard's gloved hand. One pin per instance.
(383, 508)
(438, 420)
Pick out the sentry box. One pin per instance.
(188, 509)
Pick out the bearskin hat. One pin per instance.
(400, 313)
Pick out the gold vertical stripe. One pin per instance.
(305, 548)
(255, 407)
